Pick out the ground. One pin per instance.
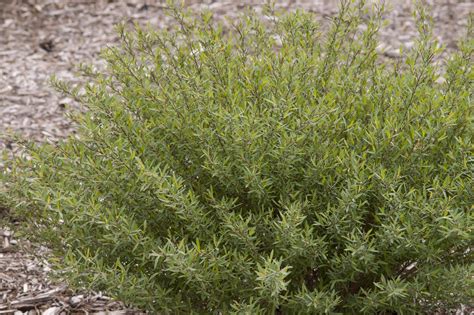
(42, 38)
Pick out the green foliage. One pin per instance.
(270, 168)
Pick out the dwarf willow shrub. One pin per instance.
(270, 167)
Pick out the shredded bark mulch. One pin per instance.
(26, 289)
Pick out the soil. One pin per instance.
(39, 38)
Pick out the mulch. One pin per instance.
(26, 289)
(39, 38)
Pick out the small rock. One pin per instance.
(6, 233)
(52, 311)
(75, 300)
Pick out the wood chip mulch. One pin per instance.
(26, 289)
(39, 38)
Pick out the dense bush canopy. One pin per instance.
(268, 167)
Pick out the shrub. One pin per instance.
(270, 167)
